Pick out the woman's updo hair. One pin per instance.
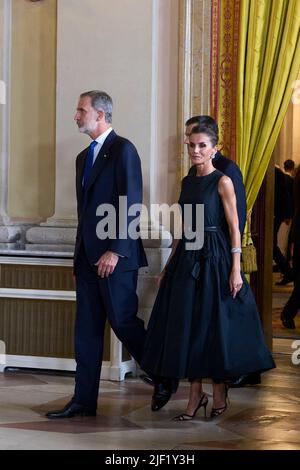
(209, 131)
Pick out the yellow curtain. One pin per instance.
(255, 57)
(268, 63)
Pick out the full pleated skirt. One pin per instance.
(196, 328)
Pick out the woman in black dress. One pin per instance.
(204, 321)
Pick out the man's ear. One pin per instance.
(101, 115)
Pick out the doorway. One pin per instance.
(271, 297)
(287, 148)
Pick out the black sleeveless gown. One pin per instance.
(196, 328)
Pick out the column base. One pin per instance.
(10, 237)
(54, 235)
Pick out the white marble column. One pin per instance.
(10, 233)
(57, 234)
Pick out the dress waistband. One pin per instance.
(213, 228)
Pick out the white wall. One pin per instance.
(1, 42)
(167, 87)
(288, 143)
(104, 45)
(128, 48)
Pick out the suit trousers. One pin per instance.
(113, 298)
(293, 304)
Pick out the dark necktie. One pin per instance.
(89, 163)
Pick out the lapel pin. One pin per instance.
(105, 156)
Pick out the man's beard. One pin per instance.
(87, 128)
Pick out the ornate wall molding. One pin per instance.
(224, 61)
(194, 68)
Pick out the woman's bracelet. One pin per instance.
(236, 250)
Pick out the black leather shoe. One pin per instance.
(251, 379)
(162, 394)
(287, 322)
(147, 380)
(71, 409)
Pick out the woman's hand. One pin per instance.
(235, 282)
(160, 277)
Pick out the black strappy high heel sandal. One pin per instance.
(185, 417)
(215, 412)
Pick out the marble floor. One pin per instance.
(259, 417)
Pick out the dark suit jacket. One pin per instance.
(231, 169)
(116, 172)
(296, 230)
(290, 188)
(283, 200)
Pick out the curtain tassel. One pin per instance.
(249, 260)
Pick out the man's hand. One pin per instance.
(107, 263)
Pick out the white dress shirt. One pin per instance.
(100, 141)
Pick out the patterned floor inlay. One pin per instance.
(77, 425)
(261, 417)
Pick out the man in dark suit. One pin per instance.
(282, 213)
(292, 306)
(231, 169)
(289, 171)
(107, 257)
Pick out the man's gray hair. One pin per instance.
(100, 101)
